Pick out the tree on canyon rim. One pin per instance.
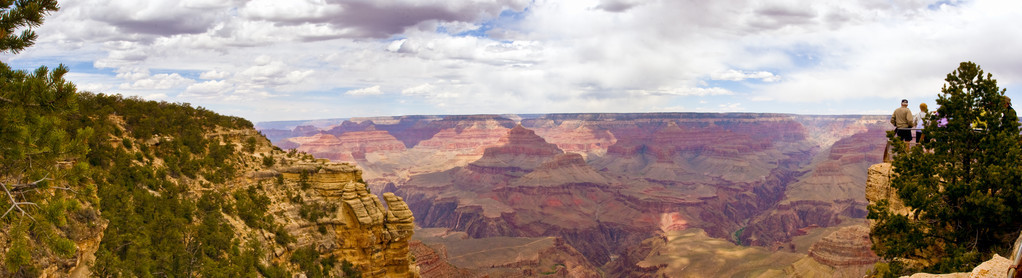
(963, 183)
(33, 106)
(35, 140)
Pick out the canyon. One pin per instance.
(606, 191)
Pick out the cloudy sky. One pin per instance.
(306, 59)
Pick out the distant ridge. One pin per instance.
(319, 123)
(324, 123)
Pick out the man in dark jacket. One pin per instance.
(903, 121)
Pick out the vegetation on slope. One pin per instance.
(157, 182)
(963, 184)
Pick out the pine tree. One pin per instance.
(32, 105)
(963, 183)
(41, 175)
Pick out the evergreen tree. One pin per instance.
(963, 182)
(43, 180)
(21, 14)
(33, 135)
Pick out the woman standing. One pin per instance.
(921, 118)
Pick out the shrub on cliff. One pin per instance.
(963, 183)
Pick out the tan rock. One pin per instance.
(845, 247)
(995, 267)
(878, 187)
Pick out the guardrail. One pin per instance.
(887, 148)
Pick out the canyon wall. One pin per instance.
(604, 183)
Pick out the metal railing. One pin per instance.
(887, 148)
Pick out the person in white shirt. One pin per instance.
(921, 119)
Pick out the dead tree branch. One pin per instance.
(15, 204)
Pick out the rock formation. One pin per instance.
(433, 261)
(832, 189)
(878, 187)
(849, 246)
(446, 256)
(349, 147)
(374, 238)
(996, 267)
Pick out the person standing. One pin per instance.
(920, 120)
(903, 121)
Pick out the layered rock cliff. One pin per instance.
(362, 230)
(606, 182)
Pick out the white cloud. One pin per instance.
(549, 56)
(736, 75)
(684, 92)
(94, 87)
(369, 91)
(420, 90)
(213, 74)
(212, 88)
(155, 82)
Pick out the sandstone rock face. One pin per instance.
(995, 267)
(878, 187)
(849, 246)
(373, 237)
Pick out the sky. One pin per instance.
(269, 60)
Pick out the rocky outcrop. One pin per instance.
(878, 187)
(996, 267)
(373, 237)
(849, 246)
(433, 261)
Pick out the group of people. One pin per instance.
(904, 121)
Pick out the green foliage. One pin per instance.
(310, 262)
(282, 237)
(964, 184)
(23, 14)
(303, 180)
(252, 207)
(349, 270)
(39, 144)
(268, 161)
(100, 151)
(250, 145)
(892, 269)
(17, 256)
(126, 143)
(315, 211)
